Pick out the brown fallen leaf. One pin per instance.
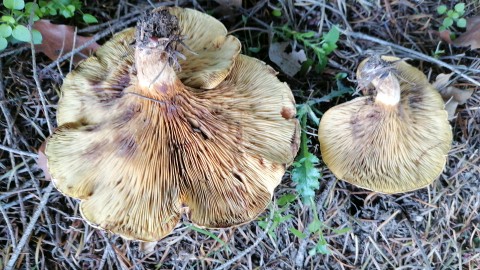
(445, 36)
(451, 95)
(442, 81)
(472, 36)
(59, 39)
(289, 61)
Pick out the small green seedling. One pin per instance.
(453, 16)
(321, 46)
(278, 215)
(16, 14)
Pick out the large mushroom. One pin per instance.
(396, 141)
(145, 135)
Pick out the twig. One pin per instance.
(413, 54)
(37, 80)
(28, 231)
(95, 38)
(9, 226)
(250, 248)
(26, 198)
(417, 242)
(18, 152)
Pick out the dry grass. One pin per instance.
(433, 228)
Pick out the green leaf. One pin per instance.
(286, 199)
(66, 13)
(284, 218)
(308, 34)
(312, 116)
(447, 22)
(33, 7)
(276, 13)
(455, 15)
(71, 8)
(339, 92)
(14, 4)
(5, 30)
(211, 235)
(342, 231)
(37, 36)
(332, 36)
(462, 23)
(297, 233)
(254, 49)
(306, 176)
(21, 33)
(3, 43)
(88, 18)
(460, 7)
(441, 9)
(449, 13)
(341, 75)
(321, 248)
(54, 12)
(9, 19)
(315, 226)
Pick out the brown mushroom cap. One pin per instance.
(137, 145)
(395, 142)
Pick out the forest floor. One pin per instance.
(437, 227)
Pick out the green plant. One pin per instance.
(454, 15)
(321, 47)
(278, 215)
(16, 16)
(316, 228)
(305, 173)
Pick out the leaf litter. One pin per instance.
(433, 228)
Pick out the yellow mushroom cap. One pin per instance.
(394, 142)
(139, 141)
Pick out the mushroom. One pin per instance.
(145, 135)
(394, 142)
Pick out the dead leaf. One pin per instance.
(472, 36)
(445, 36)
(451, 95)
(289, 62)
(442, 80)
(59, 39)
(147, 247)
(42, 161)
(451, 108)
(458, 95)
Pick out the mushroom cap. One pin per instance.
(388, 148)
(138, 162)
(209, 55)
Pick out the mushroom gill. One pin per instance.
(396, 141)
(143, 133)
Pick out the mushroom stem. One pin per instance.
(388, 89)
(156, 38)
(153, 67)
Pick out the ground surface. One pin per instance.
(437, 227)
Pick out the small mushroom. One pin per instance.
(394, 142)
(145, 135)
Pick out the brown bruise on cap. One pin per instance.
(388, 147)
(160, 145)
